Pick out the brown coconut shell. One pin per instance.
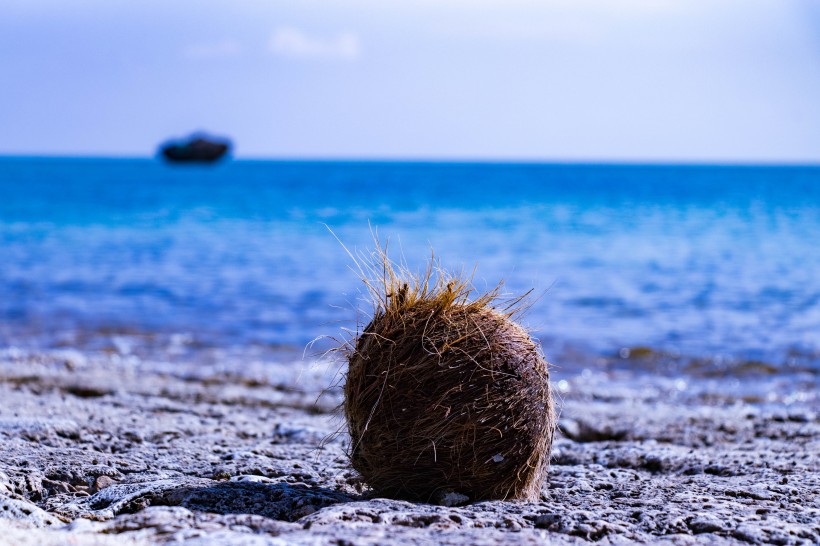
(445, 395)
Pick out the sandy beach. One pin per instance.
(108, 448)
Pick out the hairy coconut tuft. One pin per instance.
(446, 395)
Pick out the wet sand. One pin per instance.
(107, 448)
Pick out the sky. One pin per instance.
(729, 81)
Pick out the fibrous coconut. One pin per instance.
(446, 395)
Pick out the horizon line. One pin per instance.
(614, 162)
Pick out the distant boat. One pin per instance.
(196, 148)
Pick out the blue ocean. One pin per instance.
(707, 263)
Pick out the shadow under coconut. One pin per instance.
(284, 502)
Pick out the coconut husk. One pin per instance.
(446, 394)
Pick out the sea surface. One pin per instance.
(716, 263)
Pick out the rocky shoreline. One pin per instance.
(104, 448)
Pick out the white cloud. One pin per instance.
(296, 44)
(223, 49)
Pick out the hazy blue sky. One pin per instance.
(688, 80)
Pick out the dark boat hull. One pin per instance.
(198, 150)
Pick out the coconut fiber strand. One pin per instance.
(445, 394)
